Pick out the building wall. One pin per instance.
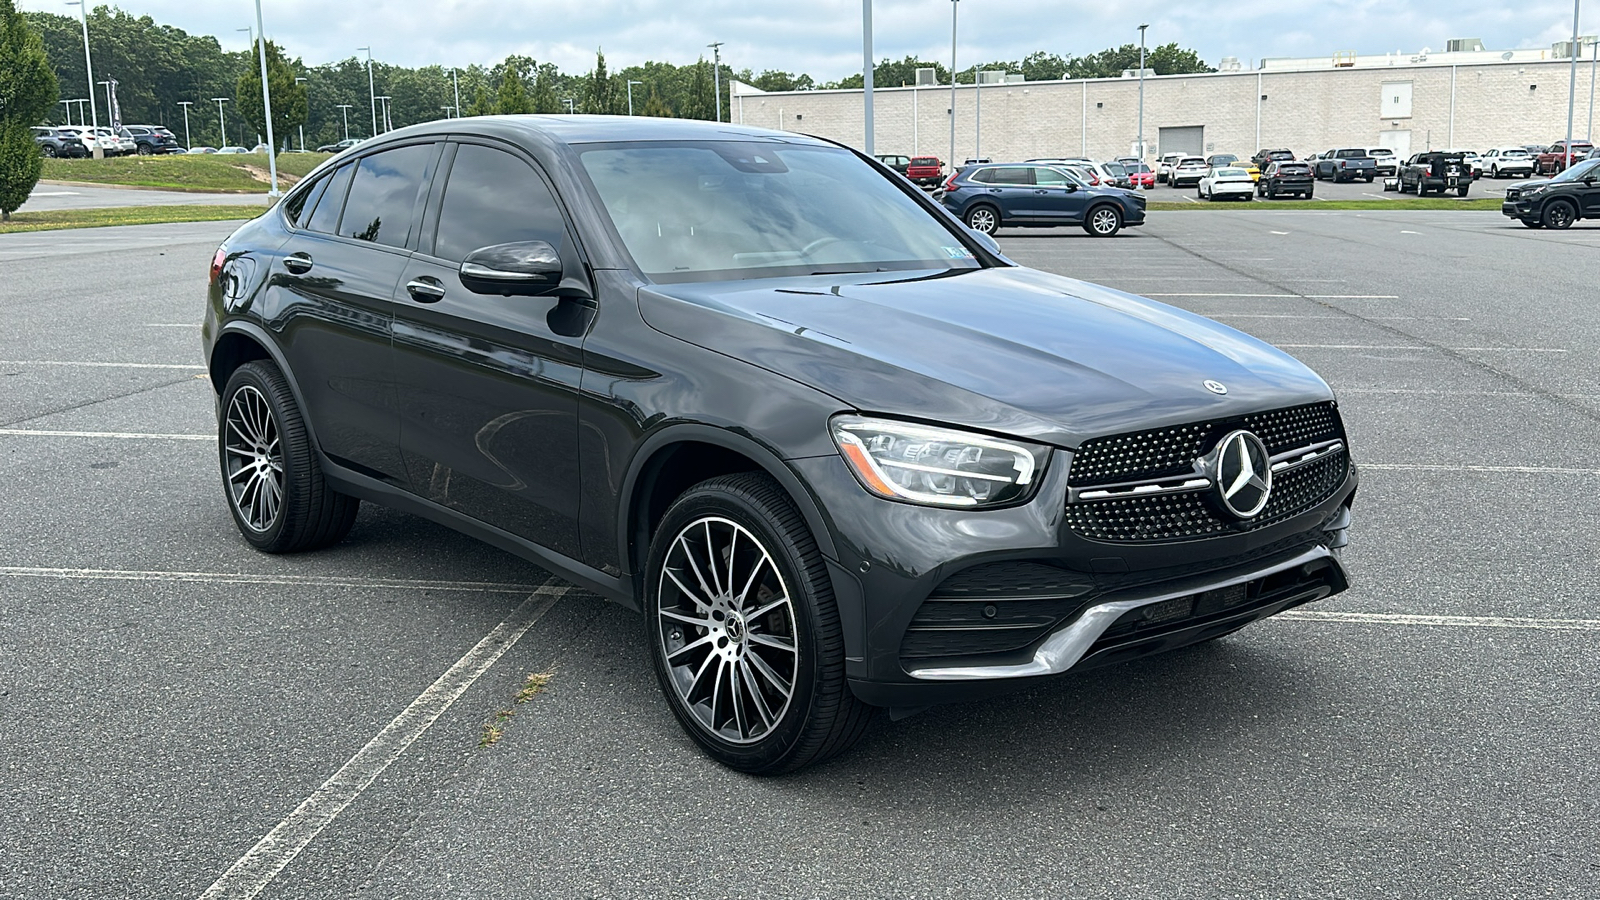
(1304, 111)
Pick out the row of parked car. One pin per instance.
(75, 141)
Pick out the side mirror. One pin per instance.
(1071, 187)
(525, 267)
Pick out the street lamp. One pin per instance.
(716, 74)
(372, 90)
(187, 145)
(88, 66)
(308, 107)
(266, 106)
(631, 83)
(386, 124)
(954, 5)
(1141, 94)
(449, 111)
(344, 113)
(1572, 82)
(68, 105)
(456, 82)
(866, 69)
(221, 122)
(568, 102)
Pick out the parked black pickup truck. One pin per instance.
(1345, 165)
(1436, 171)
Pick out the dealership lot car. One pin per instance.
(840, 452)
(1039, 195)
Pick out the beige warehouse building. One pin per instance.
(1466, 98)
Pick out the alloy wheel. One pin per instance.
(1558, 216)
(1104, 221)
(982, 219)
(726, 624)
(254, 456)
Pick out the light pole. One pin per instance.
(954, 5)
(372, 90)
(1141, 97)
(266, 106)
(385, 99)
(977, 99)
(568, 102)
(107, 86)
(1593, 62)
(449, 111)
(221, 122)
(716, 74)
(88, 66)
(866, 68)
(631, 83)
(68, 105)
(187, 145)
(1572, 83)
(308, 108)
(455, 81)
(344, 113)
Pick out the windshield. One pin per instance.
(724, 210)
(1580, 171)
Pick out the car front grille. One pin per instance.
(1171, 452)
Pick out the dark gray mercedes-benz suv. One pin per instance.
(839, 451)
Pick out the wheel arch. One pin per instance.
(241, 342)
(678, 457)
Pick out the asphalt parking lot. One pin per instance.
(50, 196)
(1353, 190)
(183, 717)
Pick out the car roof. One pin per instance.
(586, 129)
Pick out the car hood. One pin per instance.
(1007, 350)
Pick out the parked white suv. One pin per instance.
(1508, 162)
(1387, 163)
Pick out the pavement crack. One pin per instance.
(88, 403)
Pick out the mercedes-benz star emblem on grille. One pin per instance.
(1216, 387)
(1244, 474)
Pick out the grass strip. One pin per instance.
(1480, 204)
(51, 220)
(244, 172)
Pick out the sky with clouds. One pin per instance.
(823, 37)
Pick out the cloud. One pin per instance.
(823, 38)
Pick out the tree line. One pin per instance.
(158, 66)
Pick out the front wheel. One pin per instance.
(1103, 221)
(274, 484)
(1559, 214)
(743, 629)
(1532, 223)
(983, 219)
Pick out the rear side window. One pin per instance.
(383, 196)
(1004, 175)
(491, 198)
(298, 207)
(325, 209)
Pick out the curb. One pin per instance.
(149, 187)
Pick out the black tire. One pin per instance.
(1532, 223)
(1462, 191)
(48, 151)
(819, 717)
(1272, 193)
(259, 413)
(1369, 179)
(1309, 193)
(1103, 221)
(982, 217)
(1558, 214)
(144, 150)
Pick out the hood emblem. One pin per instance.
(1244, 474)
(1216, 387)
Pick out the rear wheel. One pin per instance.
(275, 487)
(1461, 191)
(743, 631)
(983, 218)
(144, 150)
(49, 151)
(1103, 221)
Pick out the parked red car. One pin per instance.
(925, 171)
(1140, 174)
(1559, 156)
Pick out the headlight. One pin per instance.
(1535, 191)
(936, 466)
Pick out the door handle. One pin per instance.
(298, 263)
(426, 289)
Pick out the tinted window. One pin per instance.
(925, 161)
(325, 211)
(1004, 175)
(383, 196)
(298, 206)
(494, 198)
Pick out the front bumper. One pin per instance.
(1519, 209)
(896, 564)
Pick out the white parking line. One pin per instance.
(172, 324)
(94, 365)
(1488, 470)
(262, 863)
(117, 435)
(1306, 615)
(488, 587)
(1285, 296)
(1409, 347)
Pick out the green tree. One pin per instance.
(655, 106)
(774, 80)
(696, 103)
(27, 94)
(545, 99)
(602, 97)
(288, 97)
(512, 98)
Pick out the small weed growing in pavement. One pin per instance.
(495, 728)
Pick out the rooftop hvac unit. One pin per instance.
(1229, 64)
(1014, 78)
(1134, 73)
(1464, 45)
(991, 76)
(927, 77)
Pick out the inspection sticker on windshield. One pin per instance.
(958, 252)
